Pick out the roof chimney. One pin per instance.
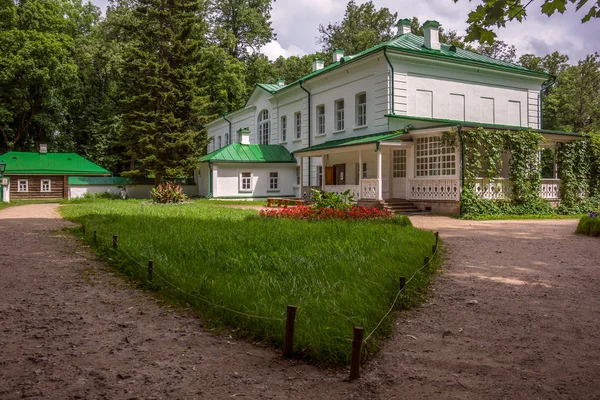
(318, 64)
(432, 34)
(43, 148)
(281, 82)
(338, 54)
(244, 135)
(404, 26)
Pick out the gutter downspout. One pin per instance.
(309, 124)
(392, 79)
(462, 163)
(230, 138)
(210, 180)
(544, 88)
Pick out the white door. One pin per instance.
(399, 174)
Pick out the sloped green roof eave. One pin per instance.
(50, 163)
(352, 141)
(250, 153)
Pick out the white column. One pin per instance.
(360, 170)
(379, 175)
(301, 193)
(323, 168)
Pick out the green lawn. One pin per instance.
(524, 216)
(589, 226)
(340, 274)
(14, 203)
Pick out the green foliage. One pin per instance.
(339, 274)
(589, 226)
(168, 193)
(332, 200)
(497, 13)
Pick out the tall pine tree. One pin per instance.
(163, 97)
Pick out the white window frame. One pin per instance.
(361, 110)
(432, 158)
(49, 181)
(25, 183)
(364, 170)
(399, 164)
(264, 127)
(273, 181)
(243, 185)
(319, 172)
(220, 142)
(338, 123)
(298, 124)
(297, 176)
(284, 128)
(321, 119)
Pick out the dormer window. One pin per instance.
(264, 127)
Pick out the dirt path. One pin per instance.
(515, 315)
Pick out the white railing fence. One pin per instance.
(339, 189)
(369, 189)
(501, 188)
(550, 189)
(435, 189)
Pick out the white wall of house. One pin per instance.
(228, 180)
(6, 191)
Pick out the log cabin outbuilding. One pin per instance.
(43, 175)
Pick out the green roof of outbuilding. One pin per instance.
(250, 153)
(352, 141)
(98, 180)
(22, 163)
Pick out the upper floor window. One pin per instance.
(284, 128)
(264, 125)
(321, 119)
(361, 109)
(298, 123)
(339, 115)
(434, 158)
(220, 144)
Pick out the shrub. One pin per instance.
(332, 200)
(589, 225)
(168, 192)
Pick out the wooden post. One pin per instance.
(433, 248)
(402, 282)
(356, 348)
(290, 324)
(437, 238)
(426, 260)
(115, 241)
(150, 269)
(83, 229)
(95, 237)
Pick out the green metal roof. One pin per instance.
(481, 124)
(352, 141)
(22, 163)
(250, 153)
(412, 44)
(98, 180)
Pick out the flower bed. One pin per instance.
(313, 213)
(589, 225)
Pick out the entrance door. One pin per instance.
(339, 171)
(399, 174)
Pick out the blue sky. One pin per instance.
(296, 23)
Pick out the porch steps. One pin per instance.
(401, 206)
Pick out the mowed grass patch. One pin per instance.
(589, 226)
(340, 274)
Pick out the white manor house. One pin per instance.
(373, 123)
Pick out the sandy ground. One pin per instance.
(514, 315)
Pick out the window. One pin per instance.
(273, 180)
(339, 115)
(298, 176)
(433, 158)
(45, 185)
(321, 120)
(264, 126)
(23, 185)
(246, 182)
(284, 128)
(220, 144)
(319, 175)
(399, 164)
(364, 170)
(361, 109)
(298, 122)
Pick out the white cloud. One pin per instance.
(274, 50)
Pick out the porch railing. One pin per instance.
(550, 189)
(369, 189)
(501, 188)
(435, 189)
(339, 189)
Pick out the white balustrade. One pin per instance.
(550, 189)
(369, 189)
(497, 189)
(435, 189)
(339, 189)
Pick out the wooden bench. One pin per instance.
(283, 202)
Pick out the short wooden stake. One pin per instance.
(356, 349)
(402, 282)
(95, 237)
(150, 269)
(290, 324)
(83, 229)
(115, 241)
(426, 260)
(433, 248)
(437, 238)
